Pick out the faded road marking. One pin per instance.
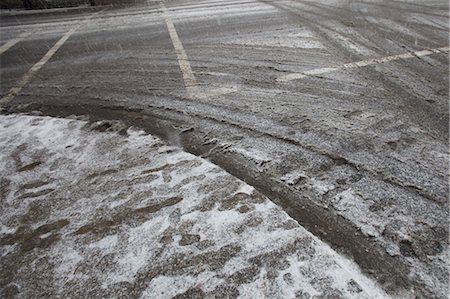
(14, 41)
(188, 76)
(320, 71)
(26, 78)
(215, 92)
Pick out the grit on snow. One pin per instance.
(99, 210)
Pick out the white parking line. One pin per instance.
(14, 41)
(188, 76)
(320, 71)
(26, 78)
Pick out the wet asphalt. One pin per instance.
(357, 155)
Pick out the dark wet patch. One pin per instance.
(207, 204)
(186, 226)
(224, 186)
(243, 276)
(38, 211)
(10, 291)
(392, 145)
(142, 196)
(290, 224)
(188, 239)
(355, 178)
(257, 197)
(15, 155)
(130, 216)
(155, 208)
(167, 178)
(244, 209)
(400, 143)
(225, 181)
(29, 239)
(348, 23)
(164, 167)
(100, 226)
(101, 126)
(143, 179)
(169, 150)
(322, 282)
(192, 293)
(175, 216)
(182, 264)
(429, 241)
(204, 244)
(189, 180)
(276, 259)
(30, 166)
(106, 262)
(230, 203)
(38, 242)
(43, 229)
(382, 204)
(300, 294)
(167, 239)
(406, 248)
(4, 188)
(224, 292)
(102, 173)
(287, 277)
(353, 287)
(341, 181)
(301, 179)
(251, 221)
(215, 259)
(340, 160)
(36, 194)
(329, 293)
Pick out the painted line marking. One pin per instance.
(362, 63)
(27, 77)
(14, 41)
(215, 92)
(188, 76)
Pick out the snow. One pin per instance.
(247, 189)
(252, 154)
(293, 177)
(321, 186)
(106, 242)
(349, 203)
(162, 223)
(298, 38)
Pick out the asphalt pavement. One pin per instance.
(337, 110)
(100, 210)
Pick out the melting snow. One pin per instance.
(129, 215)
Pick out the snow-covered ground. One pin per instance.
(100, 210)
